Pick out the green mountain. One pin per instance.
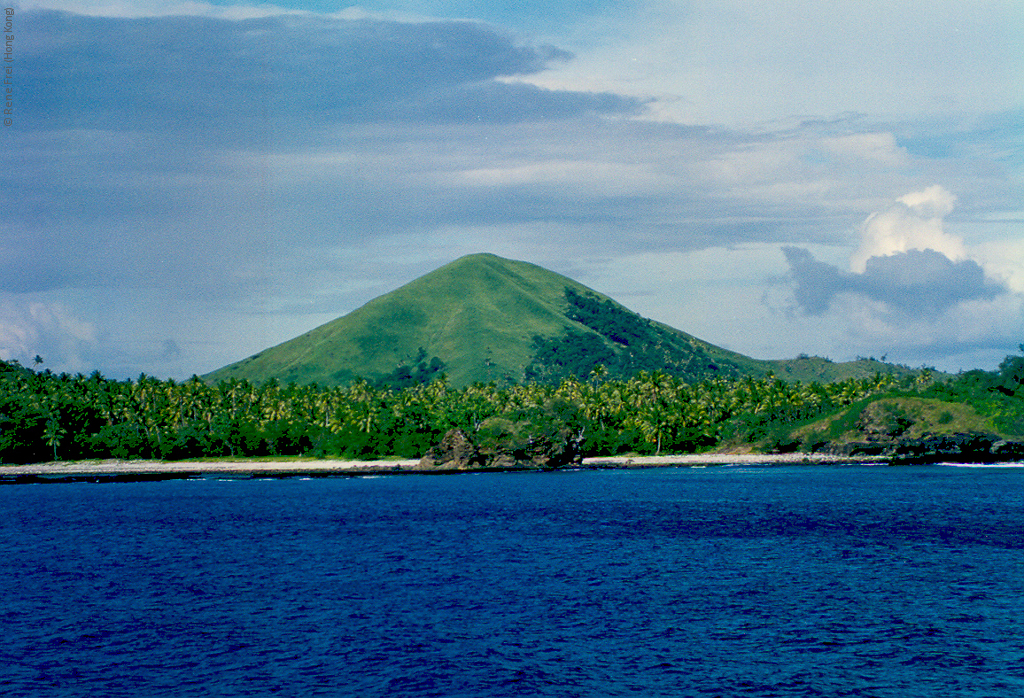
(485, 318)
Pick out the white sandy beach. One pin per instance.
(326, 467)
(144, 467)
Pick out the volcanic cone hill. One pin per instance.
(484, 318)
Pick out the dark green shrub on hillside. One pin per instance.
(608, 319)
(575, 354)
(420, 372)
(1010, 379)
(624, 343)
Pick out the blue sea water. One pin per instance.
(727, 581)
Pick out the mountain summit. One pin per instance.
(485, 318)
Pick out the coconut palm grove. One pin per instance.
(508, 353)
(44, 416)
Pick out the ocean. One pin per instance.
(719, 581)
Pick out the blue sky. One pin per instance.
(186, 183)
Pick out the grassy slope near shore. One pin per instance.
(889, 419)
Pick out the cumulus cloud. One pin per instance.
(906, 262)
(914, 222)
(915, 282)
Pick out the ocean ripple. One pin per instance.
(788, 581)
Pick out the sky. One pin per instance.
(183, 184)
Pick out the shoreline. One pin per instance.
(113, 470)
(135, 470)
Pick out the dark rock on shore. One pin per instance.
(500, 446)
(957, 448)
(455, 452)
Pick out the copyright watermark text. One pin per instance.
(7, 96)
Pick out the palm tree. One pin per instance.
(54, 434)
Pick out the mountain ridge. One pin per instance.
(484, 318)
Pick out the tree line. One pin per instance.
(46, 416)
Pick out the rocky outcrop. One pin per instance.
(456, 451)
(956, 448)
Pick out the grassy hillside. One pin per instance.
(883, 420)
(483, 318)
(809, 369)
(478, 315)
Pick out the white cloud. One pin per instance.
(1004, 259)
(591, 179)
(914, 222)
(280, 220)
(933, 202)
(916, 291)
(739, 63)
(880, 148)
(972, 334)
(50, 330)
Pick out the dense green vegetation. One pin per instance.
(46, 416)
(986, 406)
(416, 373)
(623, 343)
(998, 395)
